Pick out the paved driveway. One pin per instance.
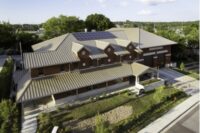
(186, 83)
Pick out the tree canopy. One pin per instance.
(98, 22)
(9, 114)
(63, 24)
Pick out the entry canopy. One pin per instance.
(139, 69)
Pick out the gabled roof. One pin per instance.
(123, 42)
(59, 49)
(145, 38)
(102, 44)
(139, 69)
(49, 45)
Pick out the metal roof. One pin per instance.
(102, 44)
(139, 69)
(72, 80)
(59, 50)
(49, 45)
(145, 38)
(123, 42)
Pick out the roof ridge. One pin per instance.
(38, 52)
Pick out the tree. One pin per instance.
(159, 95)
(61, 25)
(27, 39)
(6, 79)
(7, 35)
(9, 115)
(98, 22)
(100, 125)
(182, 66)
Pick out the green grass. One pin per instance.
(152, 116)
(188, 73)
(99, 106)
(147, 82)
(142, 115)
(141, 107)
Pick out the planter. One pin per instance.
(154, 85)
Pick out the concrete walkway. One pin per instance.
(180, 81)
(185, 83)
(164, 121)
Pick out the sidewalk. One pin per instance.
(164, 121)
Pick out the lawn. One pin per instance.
(189, 73)
(144, 111)
(92, 108)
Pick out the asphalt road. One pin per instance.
(188, 124)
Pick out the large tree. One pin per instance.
(98, 22)
(7, 36)
(27, 39)
(63, 24)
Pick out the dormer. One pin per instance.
(80, 50)
(125, 43)
(105, 46)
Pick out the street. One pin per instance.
(188, 124)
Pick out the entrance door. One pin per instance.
(132, 80)
(161, 60)
(148, 60)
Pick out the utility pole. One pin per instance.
(20, 47)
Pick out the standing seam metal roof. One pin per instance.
(72, 80)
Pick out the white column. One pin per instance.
(137, 80)
(53, 99)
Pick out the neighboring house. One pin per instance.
(78, 65)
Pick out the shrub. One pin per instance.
(158, 95)
(45, 123)
(9, 117)
(6, 79)
(100, 125)
(182, 66)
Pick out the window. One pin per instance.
(83, 64)
(109, 49)
(83, 52)
(62, 68)
(40, 71)
(130, 47)
(109, 60)
(130, 56)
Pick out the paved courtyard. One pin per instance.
(186, 83)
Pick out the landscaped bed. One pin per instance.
(149, 81)
(189, 73)
(145, 110)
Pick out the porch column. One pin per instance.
(155, 61)
(53, 99)
(137, 80)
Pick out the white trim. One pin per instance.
(162, 51)
(140, 60)
(150, 53)
(168, 55)
(155, 57)
(155, 48)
